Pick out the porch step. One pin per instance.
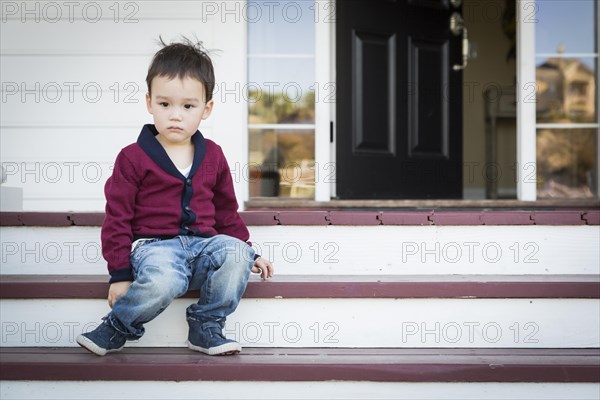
(363, 305)
(339, 311)
(333, 286)
(378, 365)
(345, 250)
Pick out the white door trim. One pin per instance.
(324, 99)
(526, 100)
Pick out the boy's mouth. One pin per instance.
(175, 128)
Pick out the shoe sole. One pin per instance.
(222, 350)
(93, 347)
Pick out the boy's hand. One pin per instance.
(116, 291)
(264, 267)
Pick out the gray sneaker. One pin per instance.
(207, 337)
(104, 339)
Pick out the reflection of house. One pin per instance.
(566, 93)
(565, 90)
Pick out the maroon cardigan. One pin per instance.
(147, 196)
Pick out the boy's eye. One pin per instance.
(188, 106)
(164, 104)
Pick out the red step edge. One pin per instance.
(380, 365)
(420, 286)
(319, 217)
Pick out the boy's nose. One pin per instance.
(176, 114)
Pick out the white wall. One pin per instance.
(58, 141)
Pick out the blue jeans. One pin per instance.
(166, 269)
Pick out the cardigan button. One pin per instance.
(188, 181)
(187, 228)
(187, 208)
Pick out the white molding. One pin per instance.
(281, 55)
(333, 105)
(323, 113)
(281, 127)
(526, 112)
(567, 55)
(567, 126)
(244, 194)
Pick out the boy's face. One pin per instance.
(177, 106)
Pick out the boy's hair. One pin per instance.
(182, 60)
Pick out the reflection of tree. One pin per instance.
(566, 92)
(291, 157)
(297, 146)
(566, 162)
(289, 153)
(275, 108)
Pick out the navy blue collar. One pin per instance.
(152, 147)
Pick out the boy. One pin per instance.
(171, 216)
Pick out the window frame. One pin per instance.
(527, 124)
(324, 108)
(324, 55)
(325, 123)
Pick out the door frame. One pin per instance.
(326, 37)
(325, 100)
(526, 106)
(325, 111)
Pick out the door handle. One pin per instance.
(457, 25)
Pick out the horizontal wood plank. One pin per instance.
(319, 217)
(286, 364)
(303, 286)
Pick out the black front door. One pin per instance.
(399, 101)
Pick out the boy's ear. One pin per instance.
(208, 109)
(148, 103)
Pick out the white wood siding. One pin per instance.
(60, 136)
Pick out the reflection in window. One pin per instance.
(566, 165)
(282, 163)
(565, 23)
(281, 99)
(281, 108)
(566, 108)
(566, 90)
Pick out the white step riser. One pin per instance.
(550, 323)
(31, 390)
(373, 250)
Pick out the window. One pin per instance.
(281, 107)
(566, 107)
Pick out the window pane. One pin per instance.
(566, 90)
(281, 80)
(281, 91)
(280, 27)
(282, 163)
(566, 163)
(567, 25)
